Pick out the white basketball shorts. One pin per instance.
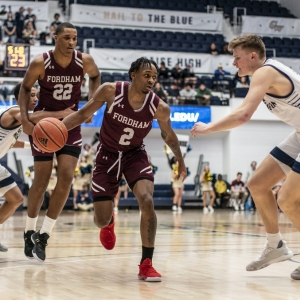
(287, 153)
(6, 181)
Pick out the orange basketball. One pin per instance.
(50, 135)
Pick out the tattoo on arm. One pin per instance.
(172, 141)
(152, 224)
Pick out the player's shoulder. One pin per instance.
(38, 60)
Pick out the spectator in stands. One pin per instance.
(213, 50)
(10, 27)
(77, 184)
(30, 16)
(238, 192)
(84, 199)
(187, 93)
(84, 90)
(178, 187)
(225, 50)
(173, 94)
(220, 73)
(221, 191)
(29, 33)
(207, 189)
(163, 73)
(242, 83)
(177, 75)
(49, 38)
(85, 169)
(250, 173)
(160, 92)
(189, 76)
(203, 95)
(89, 152)
(19, 17)
(237, 78)
(4, 91)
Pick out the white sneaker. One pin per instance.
(174, 207)
(236, 207)
(210, 208)
(205, 210)
(179, 210)
(3, 248)
(116, 210)
(270, 256)
(242, 207)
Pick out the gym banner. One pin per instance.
(122, 59)
(40, 9)
(271, 26)
(135, 17)
(182, 117)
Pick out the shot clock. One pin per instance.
(17, 57)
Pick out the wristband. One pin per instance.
(27, 145)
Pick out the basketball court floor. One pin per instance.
(199, 256)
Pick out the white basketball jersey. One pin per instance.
(286, 108)
(8, 136)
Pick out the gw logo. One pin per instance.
(273, 25)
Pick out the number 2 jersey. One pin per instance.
(61, 87)
(124, 128)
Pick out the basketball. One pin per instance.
(50, 134)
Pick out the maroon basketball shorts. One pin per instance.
(72, 147)
(110, 167)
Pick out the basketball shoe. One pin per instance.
(40, 243)
(270, 256)
(3, 248)
(28, 244)
(147, 272)
(108, 236)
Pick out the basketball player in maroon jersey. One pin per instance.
(128, 118)
(60, 73)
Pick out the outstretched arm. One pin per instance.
(105, 93)
(168, 135)
(260, 83)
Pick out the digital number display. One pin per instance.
(17, 57)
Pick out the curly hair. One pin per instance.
(142, 61)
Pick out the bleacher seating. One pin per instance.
(148, 39)
(285, 47)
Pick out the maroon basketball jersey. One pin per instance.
(124, 128)
(61, 87)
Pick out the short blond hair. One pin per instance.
(251, 42)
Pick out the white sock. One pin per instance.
(48, 225)
(274, 239)
(30, 224)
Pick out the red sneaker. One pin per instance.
(147, 272)
(107, 236)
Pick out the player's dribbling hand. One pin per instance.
(199, 128)
(27, 127)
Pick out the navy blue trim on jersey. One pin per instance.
(283, 157)
(7, 181)
(280, 71)
(296, 167)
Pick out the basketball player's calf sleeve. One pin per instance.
(30, 224)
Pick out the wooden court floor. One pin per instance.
(199, 256)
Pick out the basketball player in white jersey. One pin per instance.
(10, 130)
(279, 88)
